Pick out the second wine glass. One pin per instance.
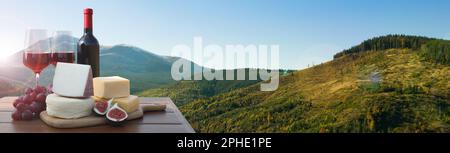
(63, 47)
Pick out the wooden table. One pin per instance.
(169, 121)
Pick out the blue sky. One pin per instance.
(308, 31)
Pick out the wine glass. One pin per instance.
(36, 55)
(63, 47)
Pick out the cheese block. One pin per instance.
(73, 80)
(129, 104)
(69, 108)
(111, 87)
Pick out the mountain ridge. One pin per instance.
(144, 69)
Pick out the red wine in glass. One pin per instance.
(36, 55)
(36, 61)
(62, 56)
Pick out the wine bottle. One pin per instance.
(88, 49)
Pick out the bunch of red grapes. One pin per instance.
(30, 105)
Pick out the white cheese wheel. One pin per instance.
(69, 108)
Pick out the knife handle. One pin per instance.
(153, 107)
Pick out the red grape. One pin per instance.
(16, 115)
(16, 102)
(33, 95)
(31, 104)
(28, 90)
(41, 98)
(27, 115)
(27, 99)
(40, 89)
(20, 98)
(36, 107)
(22, 107)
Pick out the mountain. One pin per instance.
(145, 69)
(384, 89)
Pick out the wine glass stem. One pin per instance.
(37, 79)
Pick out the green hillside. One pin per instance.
(186, 91)
(431, 49)
(389, 90)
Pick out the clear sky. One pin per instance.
(307, 30)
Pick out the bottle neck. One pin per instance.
(88, 30)
(88, 23)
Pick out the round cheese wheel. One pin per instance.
(69, 108)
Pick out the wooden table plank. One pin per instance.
(169, 121)
(129, 128)
(6, 104)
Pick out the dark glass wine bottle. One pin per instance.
(88, 47)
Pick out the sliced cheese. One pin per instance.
(73, 80)
(99, 99)
(129, 104)
(69, 108)
(111, 87)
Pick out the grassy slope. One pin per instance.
(186, 91)
(343, 95)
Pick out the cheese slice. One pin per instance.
(99, 99)
(69, 108)
(73, 80)
(129, 104)
(111, 87)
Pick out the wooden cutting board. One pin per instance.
(94, 120)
